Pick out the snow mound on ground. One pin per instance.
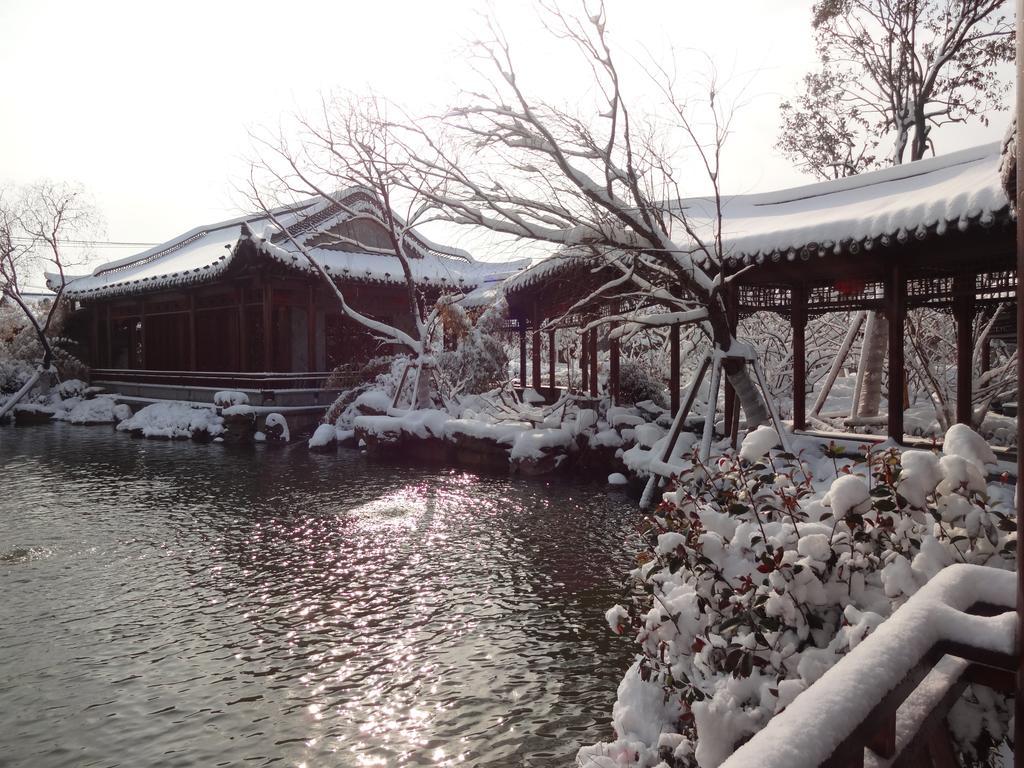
(174, 420)
(226, 398)
(617, 478)
(757, 443)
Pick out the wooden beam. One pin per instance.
(896, 311)
(798, 318)
(673, 375)
(593, 362)
(963, 313)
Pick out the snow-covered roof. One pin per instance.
(203, 253)
(910, 201)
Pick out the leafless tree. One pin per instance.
(349, 146)
(35, 223)
(603, 186)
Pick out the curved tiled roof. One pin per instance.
(834, 218)
(202, 253)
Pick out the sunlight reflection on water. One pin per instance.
(191, 605)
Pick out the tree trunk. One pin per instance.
(869, 370)
(737, 371)
(423, 394)
(754, 407)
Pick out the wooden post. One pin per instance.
(142, 334)
(94, 341)
(963, 312)
(552, 358)
(896, 310)
(732, 316)
(798, 318)
(593, 362)
(522, 352)
(192, 331)
(109, 362)
(673, 375)
(535, 349)
(613, 369)
(268, 343)
(243, 335)
(584, 365)
(311, 328)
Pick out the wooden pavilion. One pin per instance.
(235, 303)
(937, 233)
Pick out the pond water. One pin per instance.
(177, 604)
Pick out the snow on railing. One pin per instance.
(928, 647)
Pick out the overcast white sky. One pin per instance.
(148, 105)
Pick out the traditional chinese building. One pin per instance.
(236, 304)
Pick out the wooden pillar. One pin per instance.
(584, 365)
(243, 333)
(592, 359)
(963, 313)
(613, 369)
(94, 341)
(535, 349)
(798, 318)
(673, 375)
(732, 316)
(311, 328)
(268, 331)
(552, 359)
(142, 334)
(109, 362)
(522, 352)
(191, 331)
(896, 311)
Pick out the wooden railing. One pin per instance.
(890, 695)
(228, 379)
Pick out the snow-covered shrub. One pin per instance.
(637, 383)
(380, 376)
(479, 362)
(758, 577)
(13, 375)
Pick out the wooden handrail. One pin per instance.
(824, 710)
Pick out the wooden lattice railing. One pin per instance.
(887, 700)
(228, 379)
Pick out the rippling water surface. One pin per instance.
(176, 604)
